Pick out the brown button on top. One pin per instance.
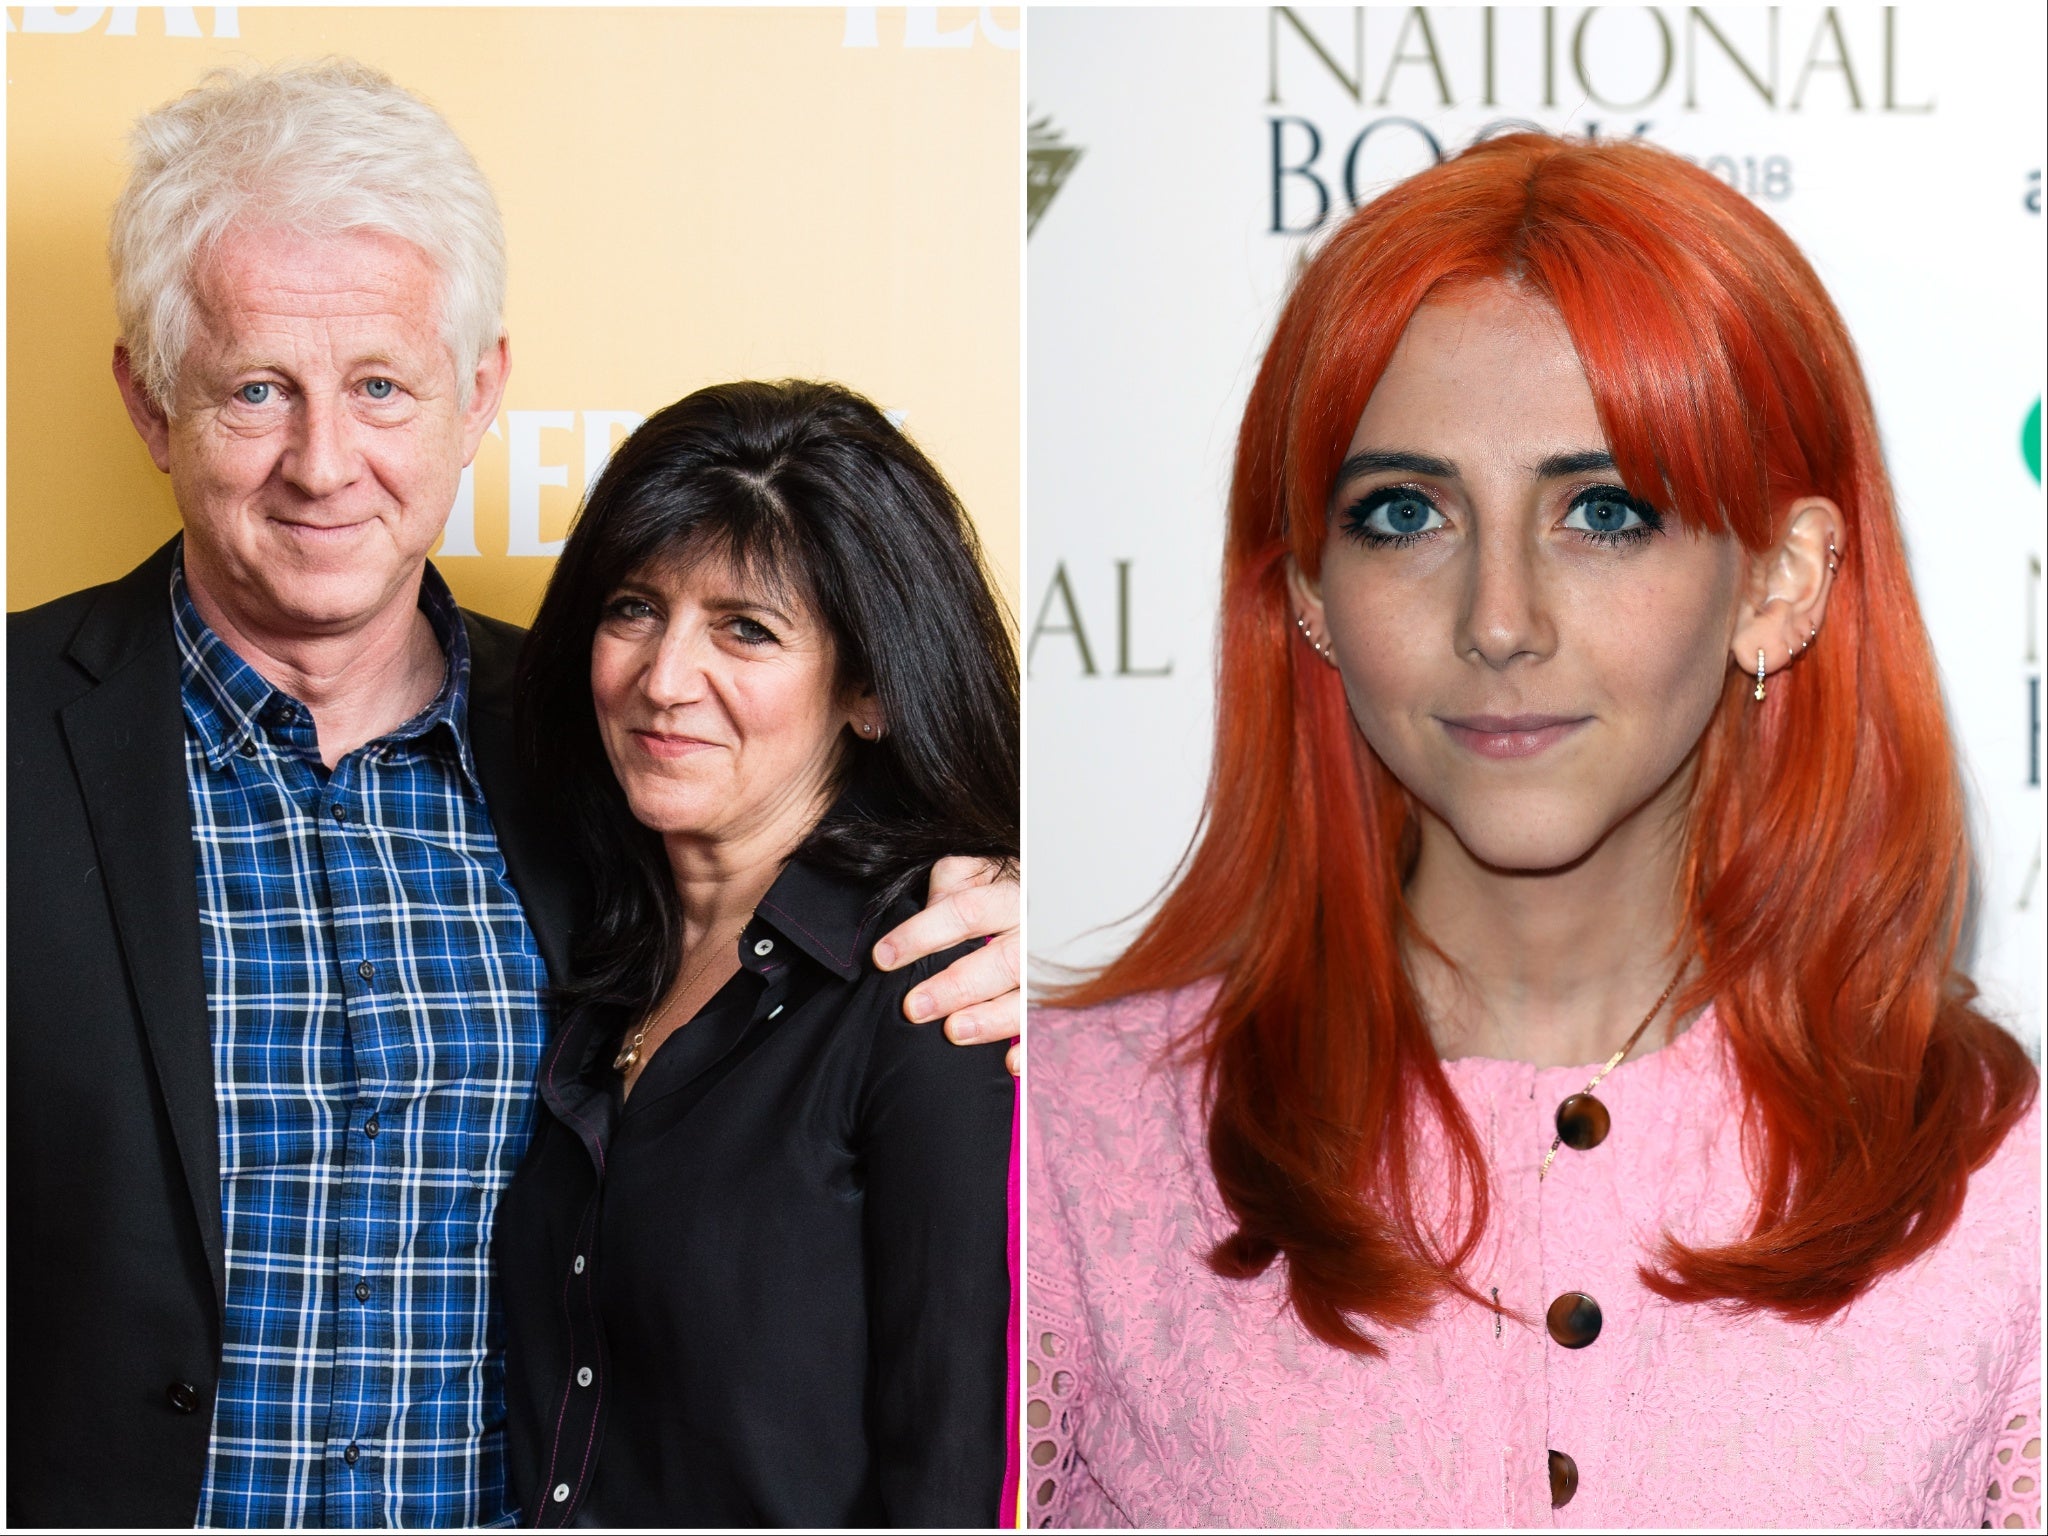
(1582, 1122)
(1564, 1479)
(1573, 1319)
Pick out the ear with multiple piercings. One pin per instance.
(1812, 630)
(1320, 647)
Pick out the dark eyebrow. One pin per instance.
(1591, 462)
(1379, 460)
(746, 605)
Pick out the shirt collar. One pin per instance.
(228, 701)
(830, 917)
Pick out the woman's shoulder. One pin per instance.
(1115, 1040)
(1113, 1073)
(2005, 1192)
(1981, 1279)
(901, 1051)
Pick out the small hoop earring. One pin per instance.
(1759, 675)
(1320, 647)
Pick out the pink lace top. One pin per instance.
(1161, 1395)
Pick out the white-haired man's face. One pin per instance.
(319, 434)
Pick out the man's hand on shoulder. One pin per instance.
(977, 994)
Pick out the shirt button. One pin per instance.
(366, 970)
(370, 1127)
(1573, 1319)
(561, 1493)
(183, 1396)
(352, 1453)
(362, 1290)
(1564, 1479)
(341, 813)
(248, 746)
(764, 947)
(583, 1377)
(1582, 1122)
(579, 1264)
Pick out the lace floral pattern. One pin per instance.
(1048, 1417)
(1159, 1394)
(2013, 1501)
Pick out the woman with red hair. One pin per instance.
(1547, 1093)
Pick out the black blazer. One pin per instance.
(115, 1274)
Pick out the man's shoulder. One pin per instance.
(494, 647)
(35, 635)
(48, 628)
(500, 634)
(72, 640)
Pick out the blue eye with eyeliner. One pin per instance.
(1392, 515)
(1607, 514)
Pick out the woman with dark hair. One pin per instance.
(1571, 683)
(754, 1266)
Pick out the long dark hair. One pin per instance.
(808, 487)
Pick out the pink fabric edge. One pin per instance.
(1008, 1509)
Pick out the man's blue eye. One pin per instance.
(254, 394)
(380, 389)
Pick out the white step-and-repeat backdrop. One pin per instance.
(1181, 162)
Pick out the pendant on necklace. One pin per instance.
(623, 1062)
(1582, 1122)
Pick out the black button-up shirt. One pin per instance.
(771, 1288)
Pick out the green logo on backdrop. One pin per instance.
(2030, 441)
(1049, 164)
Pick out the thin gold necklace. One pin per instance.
(630, 1053)
(1583, 1104)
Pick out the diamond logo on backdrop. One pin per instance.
(1049, 164)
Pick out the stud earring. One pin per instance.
(1320, 647)
(1759, 675)
(1834, 559)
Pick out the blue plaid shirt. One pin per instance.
(378, 1016)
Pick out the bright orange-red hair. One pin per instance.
(1826, 861)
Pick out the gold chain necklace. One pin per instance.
(1582, 1109)
(629, 1054)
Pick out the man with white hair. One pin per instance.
(282, 916)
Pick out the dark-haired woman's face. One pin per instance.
(1533, 652)
(717, 703)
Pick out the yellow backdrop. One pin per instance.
(689, 196)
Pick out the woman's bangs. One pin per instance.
(1673, 360)
(748, 535)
